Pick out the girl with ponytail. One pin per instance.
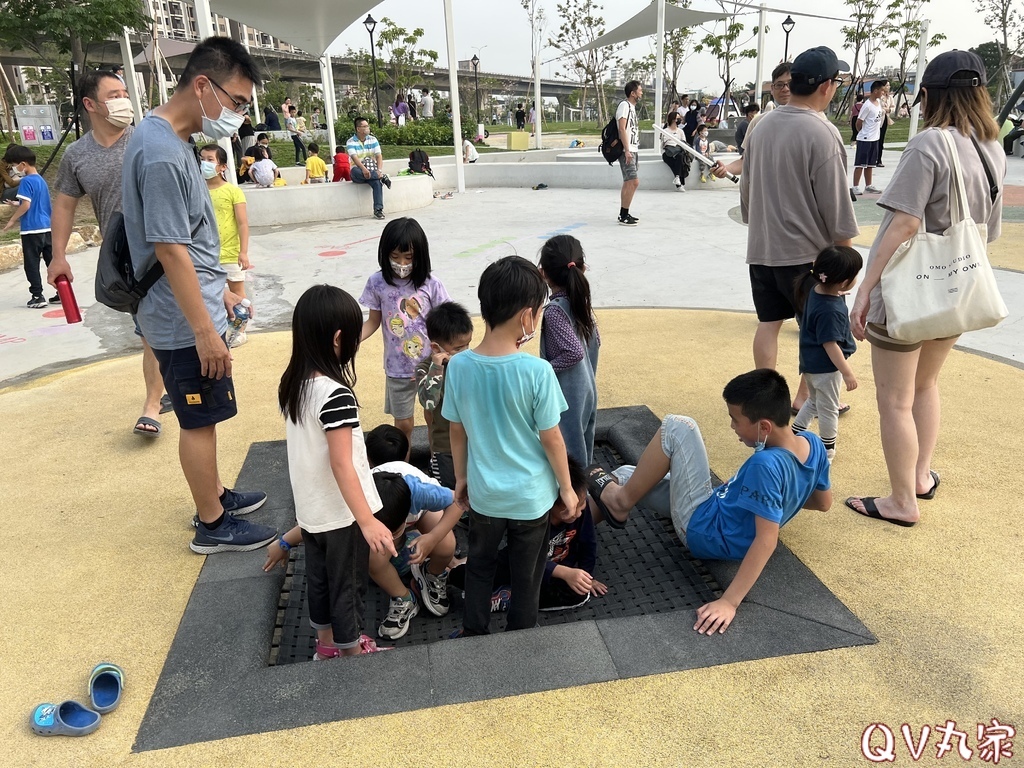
(569, 340)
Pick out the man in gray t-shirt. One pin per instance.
(793, 195)
(92, 166)
(169, 219)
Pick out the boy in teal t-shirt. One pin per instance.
(510, 461)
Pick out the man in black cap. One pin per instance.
(793, 195)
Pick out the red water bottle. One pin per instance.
(67, 300)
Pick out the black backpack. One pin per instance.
(611, 145)
(419, 162)
(116, 284)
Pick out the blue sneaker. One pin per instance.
(241, 503)
(233, 535)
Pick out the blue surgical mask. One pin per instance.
(209, 169)
(226, 124)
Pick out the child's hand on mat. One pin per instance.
(421, 548)
(379, 538)
(597, 588)
(275, 557)
(579, 581)
(851, 382)
(716, 615)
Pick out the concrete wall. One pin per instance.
(327, 202)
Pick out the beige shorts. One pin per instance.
(235, 273)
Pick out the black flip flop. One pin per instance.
(165, 404)
(597, 481)
(145, 421)
(871, 510)
(935, 486)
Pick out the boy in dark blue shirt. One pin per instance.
(33, 216)
(741, 519)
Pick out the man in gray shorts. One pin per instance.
(92, 166)
(629, 135)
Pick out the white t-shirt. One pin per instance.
(427, 105)
(319, 505)
(872, 116)
(262, 172)
(626, 110)
(473, 154)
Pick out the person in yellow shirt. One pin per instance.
(232, 219)
(316, 169)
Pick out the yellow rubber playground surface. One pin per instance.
(97, 568)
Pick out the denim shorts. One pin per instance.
(198, 401)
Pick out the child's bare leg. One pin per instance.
(237, 288)
(386, 577)
(445, 549)
(406, 426)
(650, 470)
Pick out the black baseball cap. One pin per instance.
(953, 69)
(815, 66)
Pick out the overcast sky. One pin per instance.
(498, 31)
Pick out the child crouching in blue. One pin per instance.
(741, 519)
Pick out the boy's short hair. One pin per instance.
(751, 108)
(16, 153)
(879, 85)
(359, 120)
(292, 108)
(760, 394)
(447, 321)
(220, 58)
(397, 499)
(386, 443)
(313, 147)
(630, 87)
(508, 286)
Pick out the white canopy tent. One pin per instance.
(656, 19)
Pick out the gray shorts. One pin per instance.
(400, 397)
(629, 169)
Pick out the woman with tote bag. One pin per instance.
(920, 224)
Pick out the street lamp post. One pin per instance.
(370, 25)
(787, 27)
(475, 61)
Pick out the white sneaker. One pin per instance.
(675, 180)
(870, 190)
(680, 188)
(855, 190)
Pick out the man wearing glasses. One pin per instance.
(169, 219)
(793, 194)
(780, 97)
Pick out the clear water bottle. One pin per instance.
(237, 325)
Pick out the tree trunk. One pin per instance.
(78, 69)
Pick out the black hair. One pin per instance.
(397, 499)
(313, 147)
(806, 89)
(668, 118)
(220, 58)
(218, 150)
(784, 68)
(261, 136)
(291, 108)
(447, 321)
(879, 84)
(760, 394)
(299, 113)
(751, 108)
(359, 120)
(385, 443)
(507, 287)
(16, 153)
(562, 260)
(259, 152)
(320, 313)
(833, 266)
(89, 83)
(577, 476)
(403, 235)
(630, 87)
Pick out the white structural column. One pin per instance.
(759, 67)
(453, 85)
(922, 49)
(659, 78)
(330, 105)
(130, 79)
(204, 24)
(537, 104)
(255, 97)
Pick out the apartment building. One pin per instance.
(176, 19)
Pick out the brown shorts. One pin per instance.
(879, 337)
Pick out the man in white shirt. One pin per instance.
(426, 105)
(629, 135)
(869, 143)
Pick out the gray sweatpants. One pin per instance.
(823, 402)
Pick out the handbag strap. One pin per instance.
(993, 187)
(958, 199)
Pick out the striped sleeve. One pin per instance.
(339, 410)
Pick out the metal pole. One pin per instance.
(785, 55)
(659, 80)
(376, 94)
(129, 68)
(759, 67)
(539, 144)
(331, 107)
(476, 85)
(255, 98)
(453, 86)
(922, 50)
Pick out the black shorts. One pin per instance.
(868, 154)
(198, 401)
(772, 290)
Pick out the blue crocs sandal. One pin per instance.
(67, 719)
(105, 685)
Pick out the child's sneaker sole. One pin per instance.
(212, 549)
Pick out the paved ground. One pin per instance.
(99, 568)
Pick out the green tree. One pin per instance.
(401, 63)
(902, 34)
(581, 25)
(863, 36)
(726, 41)
(679, 46)
(275, 90)
(990, 54)
(1006, 19)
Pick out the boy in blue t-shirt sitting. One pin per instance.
(741, 519)
(510, 461)
(33, 216)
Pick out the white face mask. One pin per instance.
(209, 169)
(526, 338)
(119, 112)
(401, 270)
(225, 125)
(759, 444)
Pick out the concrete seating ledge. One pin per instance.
(309, 203)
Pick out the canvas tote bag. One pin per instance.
(937, 286)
